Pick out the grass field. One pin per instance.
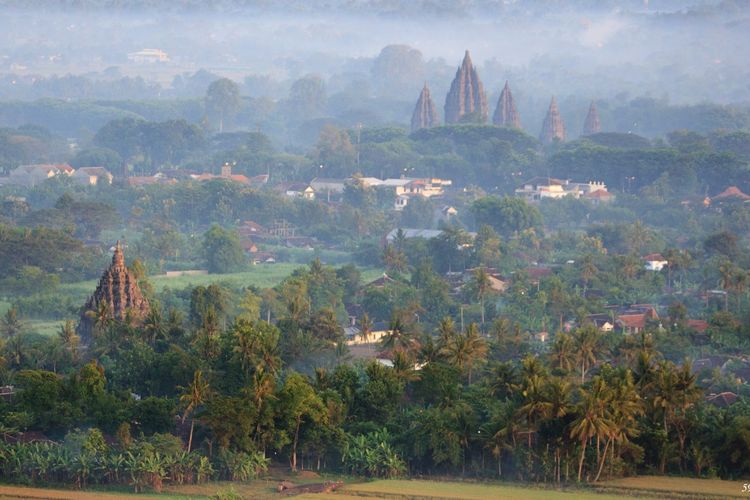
(454, 490)
(261, 276)
(637, 487)
(713, 488)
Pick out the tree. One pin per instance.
(307, 98)
(508, 216)
(222, 250)
(70, 340)
(299, 403)
(587, 344)
(466, 350)
(481, 285)
(591, 418)
(334, 152)
(222, 101)
(192, 398)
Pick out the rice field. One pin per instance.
(627, 488)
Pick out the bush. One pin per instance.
(372, 455)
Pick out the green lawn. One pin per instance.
(4, 306)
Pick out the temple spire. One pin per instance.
(118, 259)
(553, 127)
(466, 95)
(506, 114)
(592, 125)
(425, 114)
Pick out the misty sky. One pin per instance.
(686, 51)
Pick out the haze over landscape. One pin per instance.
(375, 248)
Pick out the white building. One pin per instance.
(148, 56)
(539, 188)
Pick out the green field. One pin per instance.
(635, 487)
(261, 276)
(470, 491)
(656, 485)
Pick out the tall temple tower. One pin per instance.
(118, 294)
(506, 114)
(592, 125)
(466, 95)
(425, 113)
(553, 127)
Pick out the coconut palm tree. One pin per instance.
(563, 355)
(464, 351)
(624, 409)
(481, 285)
(587, 345)
(591, 419)
(70, 340)
(193, 396)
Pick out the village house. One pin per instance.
(150, 180)
(539, 188)
(405, 187)
(31, 175)
(296, 190)
(655, 262)
(92, 176)
(226, 174)
(331, 189)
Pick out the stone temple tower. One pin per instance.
(553, 127)
(117, 294)
(425, 114)
(466, 95)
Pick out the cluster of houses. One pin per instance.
(332, 190)
(32, 175)
(539, 188)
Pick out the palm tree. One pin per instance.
(466, 350)
(588, 271)
(481, 285)
(563, 354)
(726, 273)
(398, 337)
(101, 317)
(11, 325)
(403, 367)
(739, 284)
(505, 381)
(625, 407)
(154, 327)
(70, 340)
(365, 327)
(194, 395)
(639, 235)
(587, 340)
(591, 419)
